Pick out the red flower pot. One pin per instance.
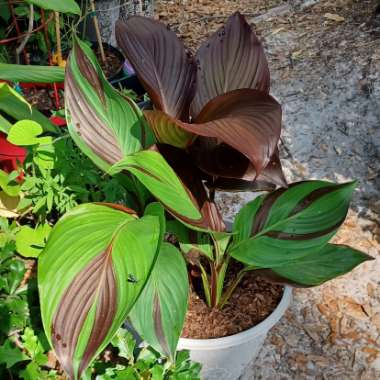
(10, 154)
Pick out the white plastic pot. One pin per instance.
(226, 358)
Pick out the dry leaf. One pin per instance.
(352, 308)
(277, 31)
(375, 320)
(371, 290)
(8, 205)
(296, 54)
(334, 17)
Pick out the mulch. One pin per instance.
(253, 300)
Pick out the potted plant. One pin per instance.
(214, 126)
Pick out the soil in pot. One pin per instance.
(114, 60)
(43, 99)
(253, 301)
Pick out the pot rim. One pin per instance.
(233, 340)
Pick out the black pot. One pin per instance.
(117, 53)
(131, 82)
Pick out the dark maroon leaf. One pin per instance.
(231, 170)
(247, 120)
(161, 62)
(232, 58)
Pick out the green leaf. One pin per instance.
(221, 240)
(26, 132)
(109, 124)
(67, 6)
(10, 354)
(30, 242)
(190, 241)
(15, 106)
(322, 265)
(31, 74)
(44, 156)
(156, 209)
(166, 129)
(84, 278)
(157, 372)
(33, 372)
(242, 227)
(16, 275)
(152, 170)
(33, 346)
(289, 223)
(7, 183)
(159, 314)
(13, 315)
(5, 125)
(125, 342)
(5, 13)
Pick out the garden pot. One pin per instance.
(226, 358)
(44, 96)
(11, 156)
(114, 57)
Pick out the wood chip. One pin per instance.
(353, 309)
(375, 320)
(371, 289)
(334, 17)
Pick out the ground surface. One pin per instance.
(325, 63)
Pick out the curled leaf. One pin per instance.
(232, 171)
(247, 120)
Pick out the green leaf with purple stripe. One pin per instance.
(159, 314)
(105, 124)
(322, 265)
(186, 200)
(290, 223)
(90, 274)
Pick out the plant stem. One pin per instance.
(46, 35)
(97, 31)
(213, 284)
(233, 286)
(218, 273)
(58, 37)
(206, 285)
(21, 47)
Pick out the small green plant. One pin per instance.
(126, 360)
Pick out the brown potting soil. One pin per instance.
(253, 300)
(112, 64)
(43, 99)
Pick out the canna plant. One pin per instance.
(213, 126)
